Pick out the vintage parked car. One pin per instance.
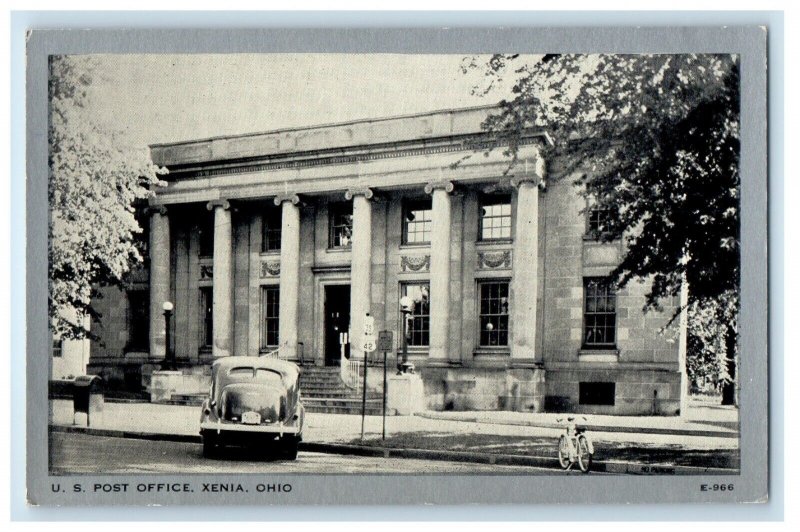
(253, 401)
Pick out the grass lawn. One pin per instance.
(540, 446)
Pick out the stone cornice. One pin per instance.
(474, 142)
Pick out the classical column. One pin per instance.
(361, 266)
(159, 279)
(290, 275)
(524, 286)
(222, 309)
(440, 272)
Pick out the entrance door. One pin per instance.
(337, 321)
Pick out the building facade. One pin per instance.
(286, 240)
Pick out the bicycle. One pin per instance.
(575, 446)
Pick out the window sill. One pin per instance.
(610, 354)
(494, 242)
(415, 350)
(599, 240)
(271, 253)
(339, 250)
(415, 245)
(492, 350)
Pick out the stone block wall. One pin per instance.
(645, 364)
(484, 389)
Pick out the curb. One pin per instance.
(599, 466)
(708, 433)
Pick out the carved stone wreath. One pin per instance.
(494, 259)
(270, 268)
(206, 271)
(415, 263)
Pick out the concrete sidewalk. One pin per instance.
(700, 421)
(338, 428)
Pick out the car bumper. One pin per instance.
(239, 427)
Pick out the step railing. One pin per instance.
(350, 371)
(272, 354)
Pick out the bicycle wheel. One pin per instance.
(563, 452)
(584, 456)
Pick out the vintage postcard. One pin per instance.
(273, 267)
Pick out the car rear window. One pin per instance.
(257, 374)
(267, 375)
(241, 372)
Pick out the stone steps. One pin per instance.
(323, 391)
(342, 405)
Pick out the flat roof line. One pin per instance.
(322, 126)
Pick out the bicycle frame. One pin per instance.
(572, 431)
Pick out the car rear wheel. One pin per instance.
(289, 447)
(210, 444)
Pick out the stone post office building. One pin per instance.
(286, 239)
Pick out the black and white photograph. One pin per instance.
(415, 265)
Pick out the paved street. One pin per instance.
(81, 453)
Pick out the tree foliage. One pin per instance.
(95, 180)
(655, 139)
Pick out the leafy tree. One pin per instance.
(656, 139)
(95, 180)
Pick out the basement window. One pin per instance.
(596, 393)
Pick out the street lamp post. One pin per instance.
(170, 361)
(406, 308)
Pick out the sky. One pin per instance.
(160, 98)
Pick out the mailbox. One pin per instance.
(87, 396)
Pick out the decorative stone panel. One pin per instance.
(206, 271)
(270, 268)
(415, 263)
(494, 260)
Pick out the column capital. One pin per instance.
(363, 191)
(533, 171)
(225, 204)
(518, 181)
(280, 198)
(156, 209)
(445, 185)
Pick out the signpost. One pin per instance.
(385, 344)
(368, 346)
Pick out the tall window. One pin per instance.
(271, 230)
(420, 319)
(417, 222)
(206, 232)
(138, 320)
(207, 317)
(494, 308)
(495, 217)
(341, 225)
(270, 303)
(58, 348)
(599, 314)
(597, 222)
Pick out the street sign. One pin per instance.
(369, 325)
(368, 344)
(385, 341)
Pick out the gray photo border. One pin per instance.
(748, 41)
